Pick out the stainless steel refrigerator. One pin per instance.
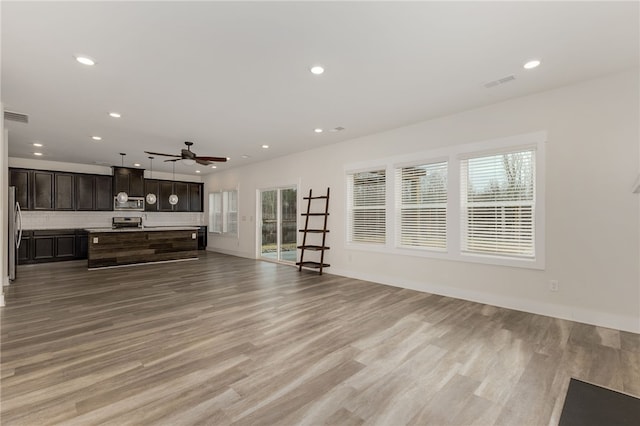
(15, 231)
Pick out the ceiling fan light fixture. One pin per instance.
(188, 161)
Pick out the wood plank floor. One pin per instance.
(225, 340)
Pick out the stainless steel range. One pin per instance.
(126, 222)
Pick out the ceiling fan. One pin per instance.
(189, 157)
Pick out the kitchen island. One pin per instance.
(126, 246)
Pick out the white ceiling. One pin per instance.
(233, 76)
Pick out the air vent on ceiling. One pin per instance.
(500, 81)
(337, 129)
(16, 116)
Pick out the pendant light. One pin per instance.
(122, 196)
(151, 197)
(173, 198)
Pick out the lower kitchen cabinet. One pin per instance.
(52, 246)
(24, 251)
(202, 238)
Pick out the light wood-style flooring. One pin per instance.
(225, 340)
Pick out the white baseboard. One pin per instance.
(572, 313)
(231, 252)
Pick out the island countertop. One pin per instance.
(144, 229)
(126, 246)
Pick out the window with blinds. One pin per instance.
(498, 197)
(366, 201)
(223, 212)
(421, 213)
(230, 212)
(215, 212)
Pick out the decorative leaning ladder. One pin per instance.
(311, 247)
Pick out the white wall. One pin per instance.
(592, 238)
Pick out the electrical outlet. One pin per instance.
(553, 285)
(95, 240)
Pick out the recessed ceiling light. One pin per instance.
(214, 167)
(317, 70)
(317, 130)
(244, 156)
(197, 171)
(532, 64)
(114, 115)
(136, 164)
(85, 60)
(265, 146)
(37, 153)
(37, 144)
(96, 138)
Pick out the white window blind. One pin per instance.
(215, 212)
(230, 212)
(366, 201)
(498, 197)
(421, 213)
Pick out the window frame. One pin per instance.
(349, 209)
(223, 196)
(454, 155)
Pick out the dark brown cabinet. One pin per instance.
(182, 191)
(165, 189)
(195, 197)
(49, 190)
(93, 192)
(103, 193)
(85, 192)
(128, 180)
(24, 251)
(21, 179)
(64, 196)
(52, 246)
(189, 195)
(42, 190)
(151, 186)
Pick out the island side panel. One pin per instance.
(125, 248)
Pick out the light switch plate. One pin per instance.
(193, 236)
(95, 240)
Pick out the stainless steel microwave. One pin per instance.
(135, 204)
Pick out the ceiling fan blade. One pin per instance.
(174, 160)
(159, 153)
(203, 162)
(217, 159)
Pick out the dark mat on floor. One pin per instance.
(591, 405)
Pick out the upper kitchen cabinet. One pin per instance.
(21, 179)
(165, 189)
(182, 191)
(64, 196)
(129, 180)
(151, 186)
(195, 197)
(42, 190)
(93, 192)
(103, 195)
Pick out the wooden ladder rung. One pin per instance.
(314, 247)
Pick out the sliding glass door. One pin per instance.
(278, 224)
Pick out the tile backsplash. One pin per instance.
(32, 220)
